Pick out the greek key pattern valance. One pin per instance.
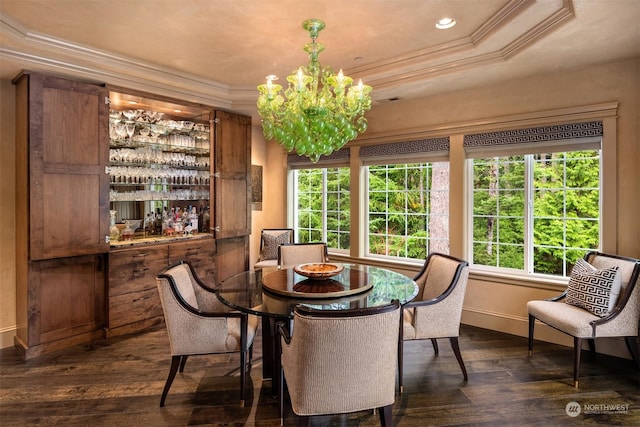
(405, 148)
(534, 135)
(337, 157)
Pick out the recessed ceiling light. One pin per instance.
(272, 77)
(132, 102)
(177, 111)
(445, 23)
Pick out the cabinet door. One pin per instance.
(67, 304)
(232, 172)
(68, 154)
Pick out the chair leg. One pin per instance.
(386, 419)
(281, 396)
(243, 376)
(577, 350)
(175, 363)
(183, 361)
(400, 364)
(456, 350)
(434, 342)
(532, 323)
(592, 346)
(632, 345)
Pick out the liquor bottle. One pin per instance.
(114, 231)
(193, 220)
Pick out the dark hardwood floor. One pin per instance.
(118, 382)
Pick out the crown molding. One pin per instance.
(390, 73)
(514, 121)
(61, 56)
(46, 53)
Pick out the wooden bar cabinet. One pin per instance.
(95, 174)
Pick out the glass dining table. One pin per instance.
(273, 293)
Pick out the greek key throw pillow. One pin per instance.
(271, 242)
(590, 288)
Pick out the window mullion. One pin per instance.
(528, 213)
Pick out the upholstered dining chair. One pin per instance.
(602, 299)
(338, 362)
(270, 239)
(300, 253)
(437, 309)
(199, 324)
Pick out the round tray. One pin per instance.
(318, 270)
(292, 285)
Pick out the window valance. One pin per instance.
(555, 138)
(432, 149)
(338, 158)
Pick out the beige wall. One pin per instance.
(500, 303)
(7, 215)
(496, 304)
(274, 205)
(619, 82)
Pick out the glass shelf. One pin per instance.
(140, 142)
(162, 126)
(181, 195)
(155, 183)
(159, 164)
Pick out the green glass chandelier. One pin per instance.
(320, 111)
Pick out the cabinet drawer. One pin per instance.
(184, 251)
(130, 308)
(131, 278)
(138, 255)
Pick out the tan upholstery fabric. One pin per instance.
(575, 321)
(291, 255)
(189, 333)
(440, 320)
(266, 263)
(341, 365)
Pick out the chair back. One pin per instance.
(443, 280)
(339, 362)
(293, 254)
(183, 302)
(628, 268)
(627, 306)
(440, 274)
(270, 239)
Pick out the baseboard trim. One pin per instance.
(6, 336)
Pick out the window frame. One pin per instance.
(427, 216)
(324, 194)
(528, 219)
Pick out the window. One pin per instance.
(322, 206)
(408, 206)
(537, 212)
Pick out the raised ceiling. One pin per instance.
(217, 51)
